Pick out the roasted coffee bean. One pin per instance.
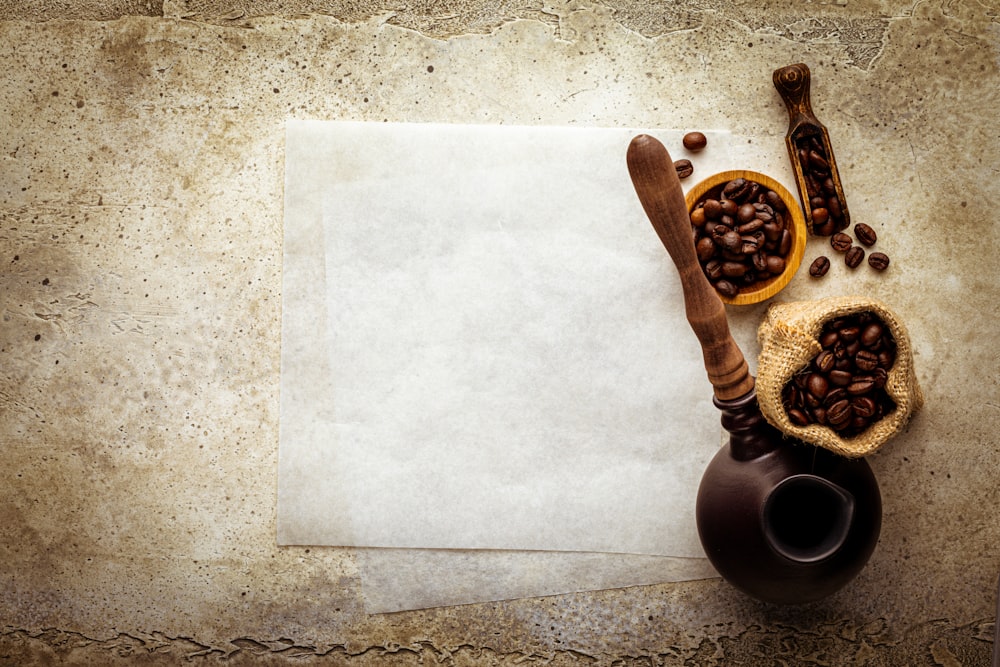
(866, 360)
(840, 378)
(705, 248)
(839, 413)
(785, 243)
(841, 242)
(727, 289)
(872, 334)
(712, 209)
(736, 189)
(848, 333)
(844, 385)
(824, 361)
(684, 168)
(694, 141)
(854, 256)
(746, 213)
(861, 385)
(740, 236)
(819, 267)
(865, 234)
(878, 261)
(798, 417)
(817, 385)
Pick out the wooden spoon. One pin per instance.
(659, 190)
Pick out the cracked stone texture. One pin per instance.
(140, 235)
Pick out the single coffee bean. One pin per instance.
(705, 249)
(817, 162)
(819, 267)
(733, 269)
(861, 385)
(839, 413)
(886, 358)
(840, 378)
(824, 361)
(684, 168)
(871, 334)
(849, 333)
(865, 234)
(727, 289)
(728, 207)
(785, 243)
(712, 208)
(854, 256)
(694, 141)
(817, 385)
(698, 217)
(774, 201)
(841, 242)
(798, 417)
(820, 216)
(878, 261)
(866, 360)
(731, 241)
(736, 189)
(746, 213)
(775, 265)
(864, 406)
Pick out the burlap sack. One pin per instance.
(788, 337)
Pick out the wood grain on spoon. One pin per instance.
(659, 189)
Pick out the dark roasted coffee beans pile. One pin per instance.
(844, 385)
(825, 206)
(741, 235)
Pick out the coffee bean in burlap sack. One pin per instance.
(789, 342)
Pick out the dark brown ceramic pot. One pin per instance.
(783, 521)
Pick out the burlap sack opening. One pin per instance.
(788, 337)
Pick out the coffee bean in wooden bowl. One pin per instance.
(749, 234)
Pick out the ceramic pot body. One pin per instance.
(783, 521)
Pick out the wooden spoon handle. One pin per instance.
(659, 190)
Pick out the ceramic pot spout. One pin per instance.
(807, 518)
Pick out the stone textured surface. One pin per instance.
(140, 239)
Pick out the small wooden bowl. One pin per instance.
(765, 289)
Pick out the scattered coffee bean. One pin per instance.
(684, 168)
(878, 261)
(865, 234)
(819, 267)
(694, 141)
(825, 209)
(841, 242)
(854, 256)
(740, 236)
(843, 386)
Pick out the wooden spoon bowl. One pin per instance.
(764, 289)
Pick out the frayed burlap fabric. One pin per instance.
(788, 337)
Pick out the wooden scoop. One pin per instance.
(792, 83)
(659, 189)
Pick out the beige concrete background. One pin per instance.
(140, 240)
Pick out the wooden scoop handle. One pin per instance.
(659, 189)
(792, 83)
